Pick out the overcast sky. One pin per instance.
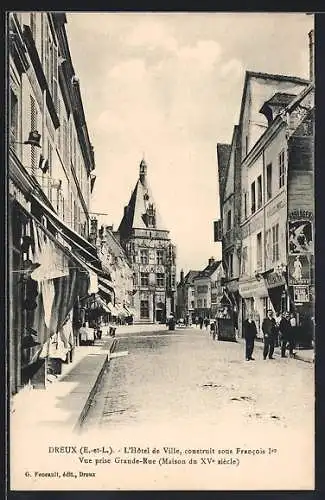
(169, 86)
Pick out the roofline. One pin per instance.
(275, 125)
(266, 76)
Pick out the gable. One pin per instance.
(258, 89)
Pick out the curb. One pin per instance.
(93, 390)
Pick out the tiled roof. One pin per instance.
(209, 270)
(190, 276)
(134, 215)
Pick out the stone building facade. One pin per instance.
(152, 255)
(186, 295)
(274, 234)
(51, 164)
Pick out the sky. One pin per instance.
(168, 87)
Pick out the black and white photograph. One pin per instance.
(160, 222)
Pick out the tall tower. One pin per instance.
(151, 252)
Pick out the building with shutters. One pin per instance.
(151, 252)
(186, 295)
(207, 289)
(266, 179)
(50, 167)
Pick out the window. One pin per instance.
(45, 182)
(32, 17)
(33, 126)
(204, 302)
(160, 257)
(65, 142)
(144, 309)
(173, 281)
(160, 279)
(151, 215)
(259, 192)
(51, 65)
(192, 304)
(144, 258)
(144, 279)
(199, 302)
(245, 205)
(229, 220)
(135, 281)
(282, 169)
(259, 251)
(269, 181)
(244, 261)
(230, 265)
(275, 243)
(253, 198)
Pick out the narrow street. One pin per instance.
(184, 377)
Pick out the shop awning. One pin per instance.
(85, 249)
(112, 309)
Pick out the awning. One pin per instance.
(112, 309)
(82, 245)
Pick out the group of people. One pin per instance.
(281, 331)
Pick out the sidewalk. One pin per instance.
(306, 355)
(67, 398)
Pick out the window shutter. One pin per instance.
(33, 126)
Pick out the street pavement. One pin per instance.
(177, 389)
(176, 374)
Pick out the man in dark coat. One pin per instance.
(269, 329)
(250, 333)
(286, 335)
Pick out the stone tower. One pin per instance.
(151, 252)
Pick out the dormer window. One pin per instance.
(275, 105)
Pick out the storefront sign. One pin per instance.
(299, 270)
(273, 280)
(276, 204)
(252, 226)
(252, 288)
(301, 214)
(301, 294)
(300, 234)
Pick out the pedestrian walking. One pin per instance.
(286, 335)
(206, 323)
(269, 330)
(213, 329)
(293, 332)
(278, 317)
(201, 322)
(250, 333)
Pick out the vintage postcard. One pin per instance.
(161, 230)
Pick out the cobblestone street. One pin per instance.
(184, 389)
(183, 378)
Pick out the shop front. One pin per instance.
(276, 285)
(254, 300)
(227, 312)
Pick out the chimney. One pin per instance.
(311, 36)
(211, 261)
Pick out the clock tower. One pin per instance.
(151, 252)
